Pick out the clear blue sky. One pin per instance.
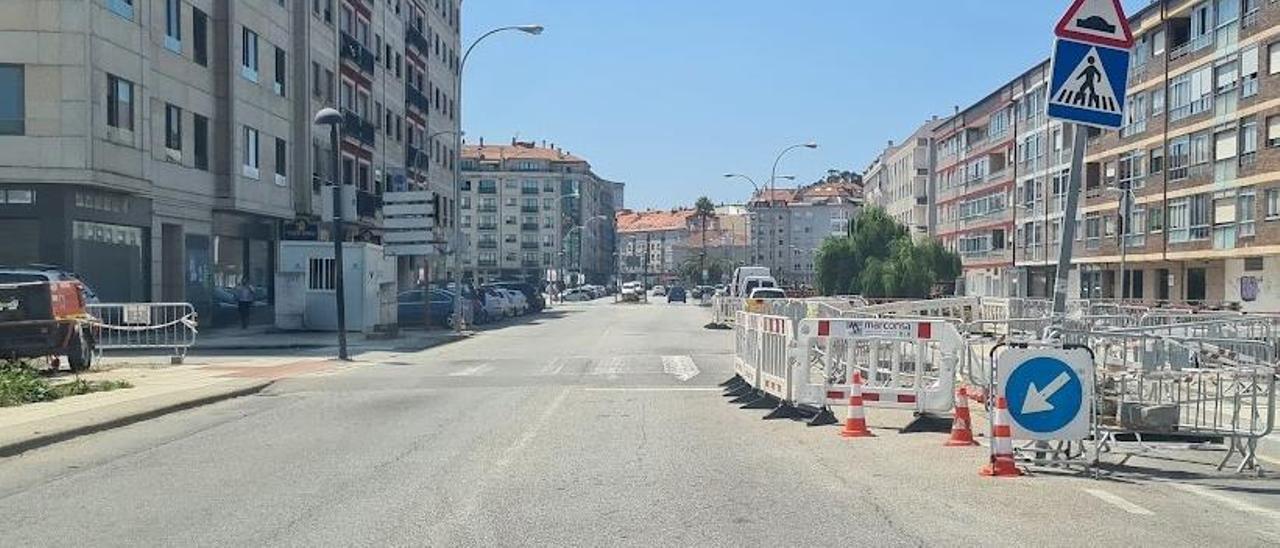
(667, 95)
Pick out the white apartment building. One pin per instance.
(901, 181)
(789, 226)
(535, 213)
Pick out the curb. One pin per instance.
(42, 440)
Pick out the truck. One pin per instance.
(741, 274)
(46, 319)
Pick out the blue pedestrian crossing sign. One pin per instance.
(1049, 392)
(1087, 84)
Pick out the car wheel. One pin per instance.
(80, 351)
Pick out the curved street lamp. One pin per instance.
(533, 30)
(773, 177)
(331, 117)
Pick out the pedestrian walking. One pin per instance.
(244, 298)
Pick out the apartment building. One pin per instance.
(1199, 151)
(533, 212)
(652, 243)
(789, 225)
(391, 68)
(901, 181)
(146, 144)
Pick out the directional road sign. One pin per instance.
(1049, 392)
(1098, 22)
(1087, 84)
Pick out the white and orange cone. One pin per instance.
(855, 426)
(961, 426)
(1002, 464)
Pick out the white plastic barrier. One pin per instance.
(746, 336)
(776, 338)
(724, 309)
(905, 364)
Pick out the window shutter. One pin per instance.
(1249, 62)
(1225, 147)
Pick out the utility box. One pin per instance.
(306, 292)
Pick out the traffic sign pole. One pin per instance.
(1069, 223)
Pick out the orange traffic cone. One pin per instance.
(1002, 464)
(961, 433)
(855, 425)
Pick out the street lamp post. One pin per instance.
(773, 176)
(332, 118)
(564, 244)
(457, 161)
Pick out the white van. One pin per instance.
(752, 283)
(740, 275)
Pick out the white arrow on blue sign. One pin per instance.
(1048, 391)
(1087, 84)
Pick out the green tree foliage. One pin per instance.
(691, 270)
(878, 258)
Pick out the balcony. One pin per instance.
(412, 160)
(416, 98)
(491, 263)
(528, 209)
(487, 226)
(528, 245)
(356, 127)
(529, 226)
(529, 190)
(488, 189)
(414, 38)
(487, 208)
(1191, 46)
(487, 244)
(530, 264)
(354, 51)
(367, 203)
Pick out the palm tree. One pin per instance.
(704, 210)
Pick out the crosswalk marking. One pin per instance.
(682, 367)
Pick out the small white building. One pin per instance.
(306, 287)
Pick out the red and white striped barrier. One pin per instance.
(905, 363)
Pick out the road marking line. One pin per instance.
(532, 431)
(1229, 501)
(653, 389)
(682, 367)
(1115, 500)
(472, 371)
(553, 367)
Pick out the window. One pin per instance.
(250, 152)
(321, 275)
(199, 36)
(1248, 140)
(119, 103)
(172, 128)
(1273, 58)
(282, 161)
(1156, 160)
(200, 147)
(1155, 220)
(1200, 217)
(280, 71)
(1246, 206)
(1273, 204)
(1254, 264)
(317, 82)
(1249, 72)
(1177, 219)
(13, 110)
(1225, 144)
(1273, 131)
(1157, 102)
(17, 196)
(1199, 148)
(173, 25)
(249, 54)
(123, 8)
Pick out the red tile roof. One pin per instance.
(518, 151)
(649, 221)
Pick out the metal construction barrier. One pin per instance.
(905, 363)
(144, 326)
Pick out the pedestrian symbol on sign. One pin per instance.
(1088, 87)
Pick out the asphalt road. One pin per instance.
(594, 424)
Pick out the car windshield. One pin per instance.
(535, 273)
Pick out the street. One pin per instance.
(590, 424)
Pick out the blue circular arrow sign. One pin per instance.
(1044, 394)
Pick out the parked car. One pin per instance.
(46, 319)
(496, 303)
(412, 305)
(659, 291)
(676, 295)
(519, 305)
(46, 273)
(531, 294)
(768, 293)
(577, 294)
(632, 291)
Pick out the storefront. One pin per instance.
(243, 248)
(103, 236)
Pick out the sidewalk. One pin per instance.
(160, 388)
(270, 338)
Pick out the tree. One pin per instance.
(716, 267)
(878, 258)
(704, 210)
